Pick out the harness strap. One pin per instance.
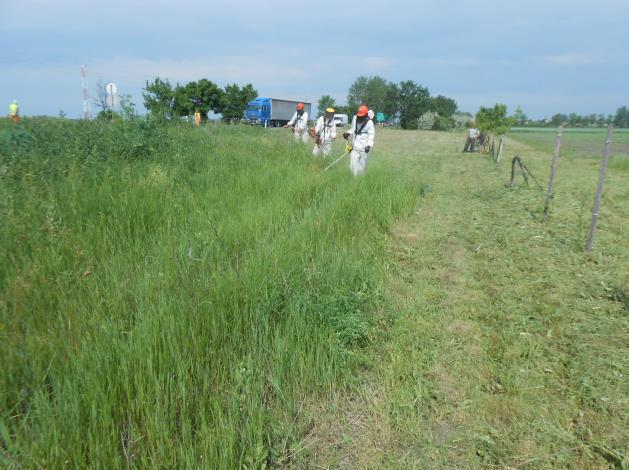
(359, 132)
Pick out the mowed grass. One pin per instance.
(173, 297)
(506, 345)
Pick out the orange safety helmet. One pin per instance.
(300, 106)
(362, 111)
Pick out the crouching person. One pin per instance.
(470, 142)
(362, 134)
(325, 133)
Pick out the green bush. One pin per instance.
(443, 123)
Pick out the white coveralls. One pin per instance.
(300, 129)
(326, 130)
(361, 135)
(472, 135)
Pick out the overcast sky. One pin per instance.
(546, 55)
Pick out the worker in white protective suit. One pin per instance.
(299, 123)
(324, 133)
(472, 136)
(362, 134)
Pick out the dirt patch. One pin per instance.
(353, 434)
(462, 327)
(446, 384)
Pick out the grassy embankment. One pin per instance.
(508, 347)
(478, 337)
(173, 297)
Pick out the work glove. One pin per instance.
(367, 149)
(345, 135)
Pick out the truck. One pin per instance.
(271, 112)
(341, 120)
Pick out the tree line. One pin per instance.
(165, 101)
(406, 103)
(620, 119)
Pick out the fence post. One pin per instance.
(599, 188)
(492, 149)
(500, 148)
(515, 159)
(553, 174)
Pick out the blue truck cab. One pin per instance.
(258, 112)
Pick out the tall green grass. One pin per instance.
(172, 296)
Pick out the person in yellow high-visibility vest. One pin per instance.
(14, 112)
(197, 118)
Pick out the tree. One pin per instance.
(372, 91)
(443, 106)
(201, 96)
(391, 106)
(326, 101)
(443, 123)
(234, 101)
(344, 109)
(127, 107)
(413, 101)
(494, 119)
(427, 120)
(558, 119)
(100, 100)
(159, 98)
(357, 93)
(519, 117)
(622, 117)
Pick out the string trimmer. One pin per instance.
(348, 149)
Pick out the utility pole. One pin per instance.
(87, 112)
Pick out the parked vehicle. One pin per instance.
(271, 112)
(341, 120)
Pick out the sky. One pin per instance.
(547, 56)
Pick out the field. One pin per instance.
(180, 297)
(578, 143)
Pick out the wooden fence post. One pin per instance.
(501, 146)
(492, 150)
(599, 188)
(553, 173)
